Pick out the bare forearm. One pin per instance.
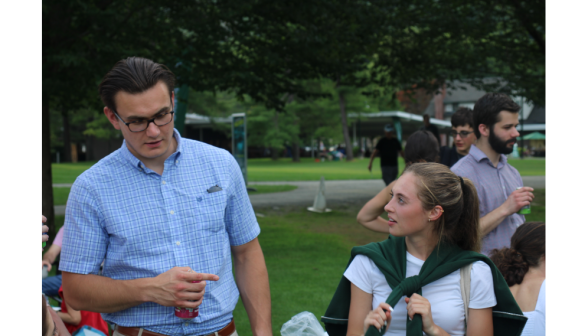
(492, 220)
(369, 215)
(67, 318)
(378, 224)
(374, 153)
(438, 332)
(52, 253)
(104, 295)
(253, 283)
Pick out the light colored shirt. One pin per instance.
(143, 224)
(494, 185)
(58, 237)
(535, 325)
(444, 295)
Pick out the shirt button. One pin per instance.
(186, 324)
(177, 161)
(171, 212)
(177, 243)
(163, 182)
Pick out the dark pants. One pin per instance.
(51, 285)
(389, 173)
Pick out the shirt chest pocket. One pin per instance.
(210, 211)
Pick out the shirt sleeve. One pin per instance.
(482, 287)
(59, 237)
(84, 240)
(359, 273)
(240, 220)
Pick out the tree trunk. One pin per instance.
(348, 147)
(275, 150)
(66, 138)
(275, 153)
(47, 184)
(295, 152)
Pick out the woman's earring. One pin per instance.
(429, 219)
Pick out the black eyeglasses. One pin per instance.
(462, 134)
(140, 125)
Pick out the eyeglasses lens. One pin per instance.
(160, 120)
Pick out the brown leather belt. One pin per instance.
(228, 330)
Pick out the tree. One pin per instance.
(268, 50)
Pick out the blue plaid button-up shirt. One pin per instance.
(494, 185)
(143, 224)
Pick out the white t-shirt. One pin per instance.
(444, 294)
(536, 323)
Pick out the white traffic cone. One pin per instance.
(320, 202)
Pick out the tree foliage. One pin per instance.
(269, 52)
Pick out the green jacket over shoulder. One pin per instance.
(390, 257)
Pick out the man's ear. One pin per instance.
(112, 117)
(484, 130)
(435, 213)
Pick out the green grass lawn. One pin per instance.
(306, 170)
(60, 194)
(306, 254)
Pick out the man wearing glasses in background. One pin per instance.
(462, 130)
(166, 214)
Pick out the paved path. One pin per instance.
(337, 192)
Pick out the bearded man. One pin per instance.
(496, 117)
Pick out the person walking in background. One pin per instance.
(462, 130)
(388, 147)
(496, 117)
(421, 146)
(523, 267)
(167, 215)
(430, 127)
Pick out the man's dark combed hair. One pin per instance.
(489, 106)
(133, 75)
(462, 117)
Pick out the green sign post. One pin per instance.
(239, 141)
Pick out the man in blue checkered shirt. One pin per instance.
(162, 212)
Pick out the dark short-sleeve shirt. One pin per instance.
(494, 185)
(388, 149)
(449, 156)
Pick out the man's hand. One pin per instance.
(518, 199)
(175, 288)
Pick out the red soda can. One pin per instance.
(187, 313)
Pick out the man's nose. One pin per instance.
(152, 130)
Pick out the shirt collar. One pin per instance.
(477, 154)
(132, 159)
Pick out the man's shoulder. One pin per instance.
(200, 150)
(104, 168)
(465, 166)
